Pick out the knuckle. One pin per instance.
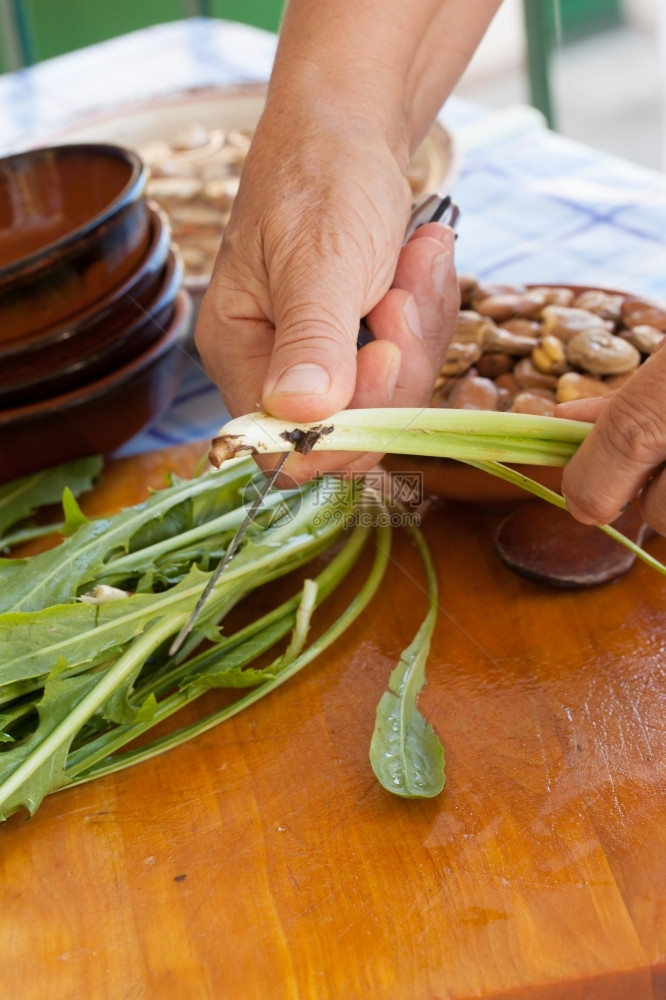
(631, 431)
(653, 503)
(320, 333)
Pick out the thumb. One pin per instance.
(312, 371)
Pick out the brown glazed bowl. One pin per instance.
(74, 223)
(69, 363)
(102, 415)
(47, 352)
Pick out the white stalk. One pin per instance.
(459, 434)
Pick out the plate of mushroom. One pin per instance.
(525, 348)
(195, 144)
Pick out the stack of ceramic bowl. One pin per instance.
(92, 311)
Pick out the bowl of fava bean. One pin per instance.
(525, 348)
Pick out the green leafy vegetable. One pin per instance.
(84, 655)
(20, 498)
(86, 627)
(405, 752)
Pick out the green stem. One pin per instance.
(137, 653)
(531, 486)
(429, 431)
(18, 537)
(224, 524)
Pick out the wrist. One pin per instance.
(367, 106)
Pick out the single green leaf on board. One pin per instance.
(20, 498)
(405, 752)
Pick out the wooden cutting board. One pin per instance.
(264, 861)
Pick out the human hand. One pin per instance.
(313, 244)
(625, 451)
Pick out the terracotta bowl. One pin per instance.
(74, 223)
(102, 415)
(48, 352)
(69, 363)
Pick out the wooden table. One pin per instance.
(263, 860)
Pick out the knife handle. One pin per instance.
(431, 208)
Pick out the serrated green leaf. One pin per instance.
(31, 769)
(79, 681)
(20, 498)
(56, 576)
(146, 711)
(32, 642)
(74, 516)
(61, 695)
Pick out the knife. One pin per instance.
(432, 208)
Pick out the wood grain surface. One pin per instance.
(263, 860)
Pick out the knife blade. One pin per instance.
(228, 556)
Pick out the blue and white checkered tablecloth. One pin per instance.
(535, 206)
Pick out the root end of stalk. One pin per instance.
(227, 446)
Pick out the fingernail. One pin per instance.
(392, 378)
(440, 271)
(410, 311)
(300, 380)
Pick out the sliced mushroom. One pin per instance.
(508, 305)
(608, 305)
(645, 339)
(564, 322)
(459, 358)
(549, 356)
(601, 353)
(534, 403)
(573, 385)
(474, 393)
(529, 377)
